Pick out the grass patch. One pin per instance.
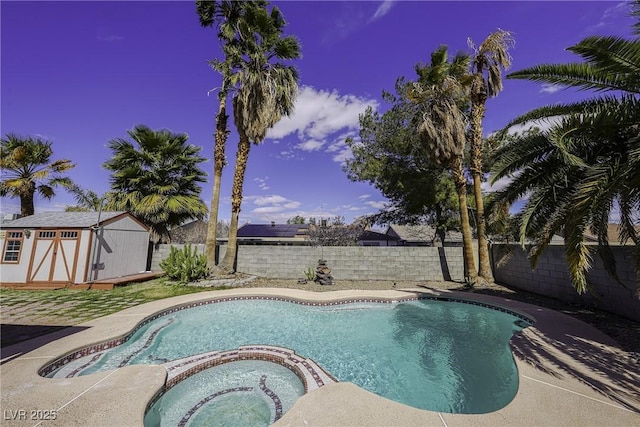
(96, 303)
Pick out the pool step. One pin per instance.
(311, 374)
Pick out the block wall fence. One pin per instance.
(549, 278)
(345, 262)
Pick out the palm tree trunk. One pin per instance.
(218, 164)
(477, 115)
(26, 201)
(228, 263)
(470, 272)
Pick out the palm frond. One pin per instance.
(635, 12)
(612, 55)
(578, 75)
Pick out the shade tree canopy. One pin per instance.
(390, 157)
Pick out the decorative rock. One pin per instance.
(323, 273)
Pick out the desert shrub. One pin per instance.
(310, 273)
(185, 265)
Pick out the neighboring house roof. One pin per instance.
(271, 231)
(420, 233)
(62, 220)
(370, 235)
(613, 235)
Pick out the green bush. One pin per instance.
(310, 273)
(185, 265)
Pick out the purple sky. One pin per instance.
(83, 72)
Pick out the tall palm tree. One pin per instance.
(156, 178)
(442, 92)
(586, 161)
(27, 169)
(228, 16)
(86, 200)
(267, 90)
(487, 63)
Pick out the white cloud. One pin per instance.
(291, 205)
(262, 183)
(497, 186)
(343, 155)
(383, 9)
(550, 88)
(364, 196)
(377, 205)
(542, 124)
(320, 114)
(269, 205)
(268, 209)
(267, 200)
(310, 145)
(335, 146)
(609, 16)
(286, 154)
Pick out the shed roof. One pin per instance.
(62, 219)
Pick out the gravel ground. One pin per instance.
(626, 332)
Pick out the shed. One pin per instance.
(72, 247)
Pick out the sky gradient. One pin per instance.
(81, 73)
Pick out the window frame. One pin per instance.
(12, 237)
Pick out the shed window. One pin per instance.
(12, 246)
(69, 234)
(46, 234)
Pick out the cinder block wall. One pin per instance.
(551, 278)
(161, 252)
(346, 262)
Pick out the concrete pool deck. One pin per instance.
(570, 374)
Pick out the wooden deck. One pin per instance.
(106, 284)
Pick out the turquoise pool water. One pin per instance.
(437, 355)
(244, 393)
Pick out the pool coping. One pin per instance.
(569, 374)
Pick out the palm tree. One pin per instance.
(228, 15)
(487, 63)
(586, 161)
(27, 169)
(157, 180)
(86, 200)
(265, 92)
(442, 92)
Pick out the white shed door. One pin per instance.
(55, 255)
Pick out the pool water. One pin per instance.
(243, 393)
(437, 355)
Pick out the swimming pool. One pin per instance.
(447, 356)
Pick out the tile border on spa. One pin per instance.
(312, 375)
(48, 368)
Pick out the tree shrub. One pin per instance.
(185, 265)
